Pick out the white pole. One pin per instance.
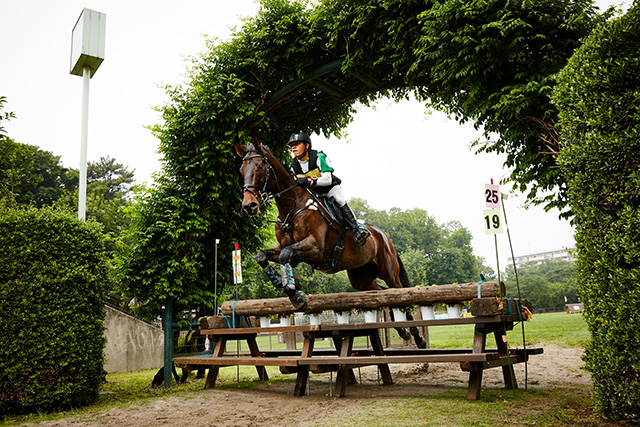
(82, 188)
(215, 277)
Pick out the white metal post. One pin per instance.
(215, 277)
(84, 136)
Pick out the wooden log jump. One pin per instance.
(368, 300)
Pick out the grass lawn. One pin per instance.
(556, 406)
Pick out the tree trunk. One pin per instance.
(368, 300)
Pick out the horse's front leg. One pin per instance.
(263, 258)
(304, 250)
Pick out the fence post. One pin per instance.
(168, 341)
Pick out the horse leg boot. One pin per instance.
(297, 297)
(360, 232)
(268, 269)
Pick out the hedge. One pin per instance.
(599, 100)
(52, 293)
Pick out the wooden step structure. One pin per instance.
(492, 316)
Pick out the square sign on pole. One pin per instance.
(87, 42)
(492, 221)
(492, 195)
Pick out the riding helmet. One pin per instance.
(300, 136)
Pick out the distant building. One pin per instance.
(539, 257)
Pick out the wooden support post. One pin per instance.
(303, 371)
(255, 352)
(475, 376)
(212, 376)
(378, 350)
(507, 371)
(346, 346)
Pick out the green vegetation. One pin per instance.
(489, 62)
(598, 95)
(53, 275)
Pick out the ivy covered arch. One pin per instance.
(302, 65)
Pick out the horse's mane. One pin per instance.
(251, 148)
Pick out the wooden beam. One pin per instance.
(368, 300)
(500, 306)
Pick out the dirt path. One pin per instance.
(273, 405)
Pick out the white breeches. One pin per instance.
(338, 195)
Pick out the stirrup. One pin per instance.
(361, 234)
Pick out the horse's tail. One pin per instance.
(404, 277)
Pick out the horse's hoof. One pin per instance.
(299, 301)
(421, 343)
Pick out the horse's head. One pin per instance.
(256, 173)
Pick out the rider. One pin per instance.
(313, 169)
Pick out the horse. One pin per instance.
(307, 233)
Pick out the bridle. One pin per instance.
(263, 196)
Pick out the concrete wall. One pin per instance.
(131, 344)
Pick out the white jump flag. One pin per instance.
(237, 266)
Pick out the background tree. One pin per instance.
(597, 95)
(545, 284)
(110, 179)
(432, 253)
(32, 176)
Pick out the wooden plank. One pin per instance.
(377, 360)
(371, 300)
(241, 331)
(501, 362)
(235, 360)
(396, 351)
(238, 332)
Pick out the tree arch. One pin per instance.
(296, 66)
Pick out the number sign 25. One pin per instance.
(492, 221)
(492, 196)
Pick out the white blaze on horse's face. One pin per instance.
(253, 171)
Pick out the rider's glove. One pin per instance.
(305, 181)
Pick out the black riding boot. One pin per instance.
(360, 232)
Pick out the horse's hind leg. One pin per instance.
(419, 339)
(404, 334)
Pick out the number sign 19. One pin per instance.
(492, 221)
(492, 195)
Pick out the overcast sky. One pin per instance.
(395, 155)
